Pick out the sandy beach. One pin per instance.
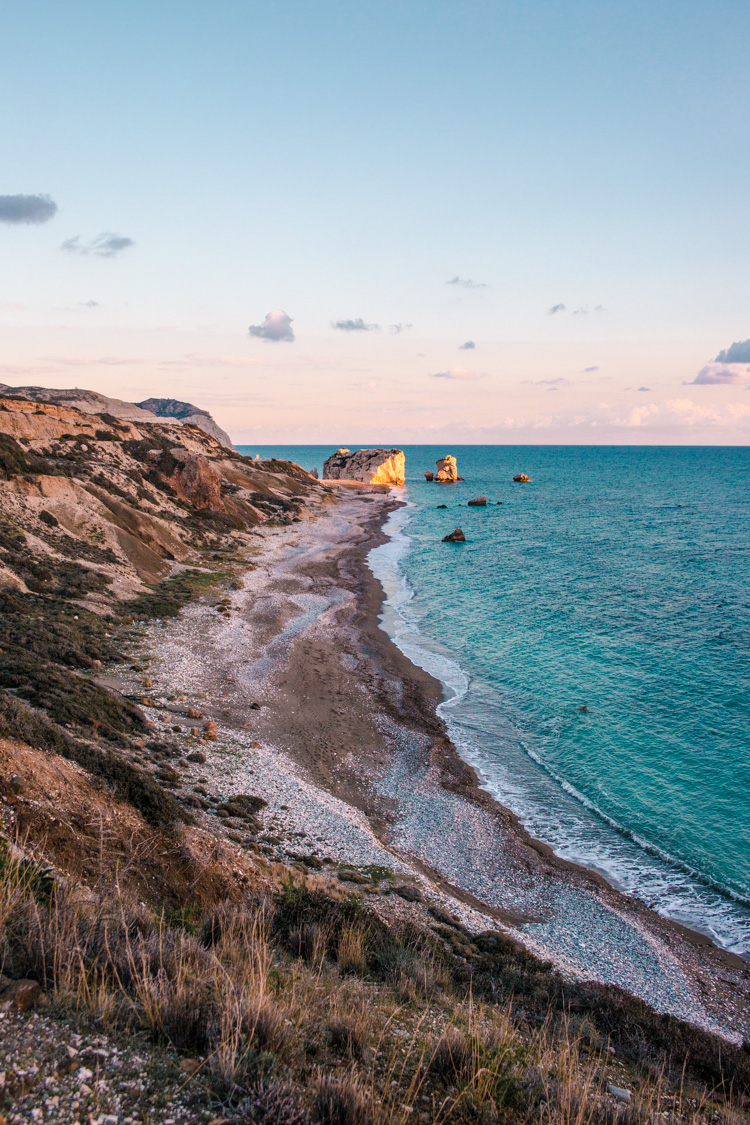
(321, 715)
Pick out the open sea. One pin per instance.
(618, 580)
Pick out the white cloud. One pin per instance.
(276, 326)
(460, 373)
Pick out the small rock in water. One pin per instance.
(521, 478)
(478, 502)
(456, 536)
(442, 505)
(429, 476)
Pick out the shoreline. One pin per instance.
(343, 709)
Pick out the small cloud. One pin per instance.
(589, 370)
(28, 209)
(105, 245)
(645, 389)
(397, 329)
(460, 373)
(467, 347)
(583, 310)
(738, 352)
(276, 326)
(558, 382)
(556, 309)
(600, 308)
(89, 304)
(80, 361)
(467, 283)
(718, 374)
(356, 325)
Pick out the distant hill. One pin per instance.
(185, 412)
(91, 402)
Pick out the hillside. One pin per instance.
(164, 954)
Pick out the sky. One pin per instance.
(384, 222)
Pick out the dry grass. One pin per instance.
(294, 1022)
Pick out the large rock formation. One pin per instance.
(188, 414)
(372, 466)
(447, 469)
(91, 402)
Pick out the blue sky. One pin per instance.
(344, 163)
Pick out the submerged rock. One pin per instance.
(447, 469)
(371, 466)
(478, 502)
(456, 536)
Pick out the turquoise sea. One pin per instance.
(617, 580)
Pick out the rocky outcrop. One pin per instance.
(198, 481)
(447, 470)
(456, 536)
(371, 466)
(188, 415)
(521, 478)
(172, 410)
(478, 502)
(429, 476)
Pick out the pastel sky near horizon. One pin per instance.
(384, 222)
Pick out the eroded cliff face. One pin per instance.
(371, 466)
(124, 500)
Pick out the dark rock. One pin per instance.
(410, 894)
(196, 756)
(521, 478)
(456, 536)
(20, 994)
(429, 476)
(478, 502)
(442, 505)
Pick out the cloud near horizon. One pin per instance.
(558, 308)
(467, 283)
(355, 325)
(460, 373)
(718, 374)
(105, 245)
(276, 327)
(468, 346)
(27, 209)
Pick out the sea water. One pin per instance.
(592, 636)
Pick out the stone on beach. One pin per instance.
(210, 731)
(456, 536)
(478, 502)
(371, 466)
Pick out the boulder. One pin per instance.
(447, 470)
(478, 502)
(456, 536)
(521, 478)
(429, 476)
(22, 995)
(371, 466)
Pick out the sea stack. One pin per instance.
(456, 536)
(447, 470)
(371, 466)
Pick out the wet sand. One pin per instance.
(347, 748)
